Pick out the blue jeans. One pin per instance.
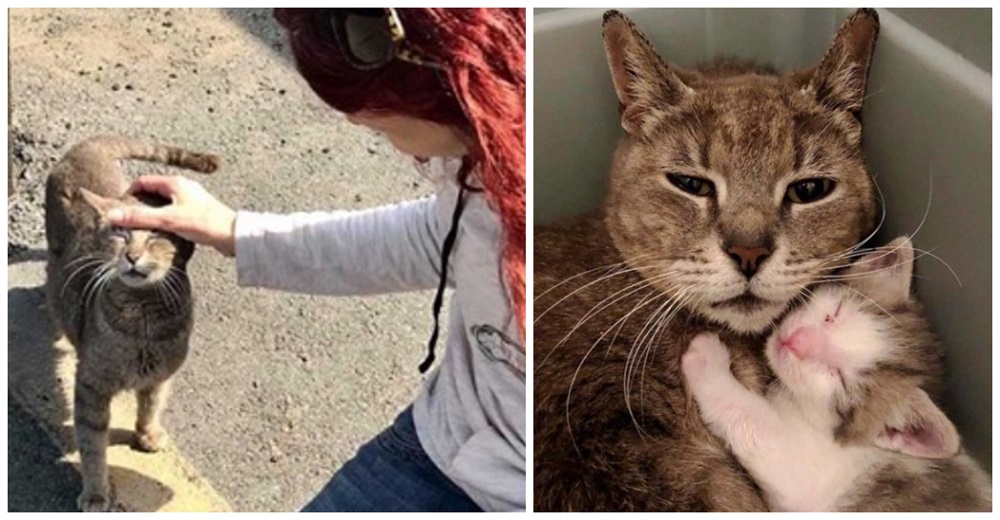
(391, 473)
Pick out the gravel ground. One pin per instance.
(279, 389)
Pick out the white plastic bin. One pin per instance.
(927, 120)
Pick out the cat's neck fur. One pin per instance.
(144, 313)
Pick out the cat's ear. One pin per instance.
(886, 274)
(645, 86)
(99, 203)
(920, 429)
(840, 80)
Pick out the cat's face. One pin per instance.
(734, 192)
(139, 258)
(858, 353)
(848, 333)
(821, 350)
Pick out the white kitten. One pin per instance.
(849, 424)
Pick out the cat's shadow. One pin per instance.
(37, 367)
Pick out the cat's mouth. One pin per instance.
(745, 302)
(134, 277)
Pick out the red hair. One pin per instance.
(481, 92)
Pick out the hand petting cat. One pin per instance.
(194, 214)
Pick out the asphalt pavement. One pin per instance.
(279, 389)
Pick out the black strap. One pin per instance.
(449, 243)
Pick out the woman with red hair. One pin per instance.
(446, 86)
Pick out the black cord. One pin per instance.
(449, 243)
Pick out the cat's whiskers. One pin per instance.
(923, 220)
(81, 258)
(92, 282)
(165, 292)
(101, 277)
(173, 282)
(617, 326)
(608, 267)
(873, 302)
(603, 304)
(620, 272)
(922, 253)
(878, 227)
(103, 283)
(579, 367)
(81, 268)
(647, 342)
(639, 346)
(682, 302)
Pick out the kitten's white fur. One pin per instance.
(786, 438)
(788, 448)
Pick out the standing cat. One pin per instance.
(121, 297)
(849, 424)
(732, 189)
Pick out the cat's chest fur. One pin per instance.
(135, 343)
(615, 426)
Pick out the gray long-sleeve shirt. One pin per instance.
(470, 413)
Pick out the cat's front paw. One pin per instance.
(94, 502)
(150, 439)
(707, 357)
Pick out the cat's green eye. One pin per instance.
(693, 185)
(809, 190)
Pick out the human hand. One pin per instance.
(193, 214)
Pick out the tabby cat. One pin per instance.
(121, 297)
(732, 189)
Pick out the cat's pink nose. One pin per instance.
(132, 256)
(807, 341)
(790, 342)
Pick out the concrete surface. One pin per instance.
(41, 375)
(38, 480)
(279, 389)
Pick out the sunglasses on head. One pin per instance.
(371, 38)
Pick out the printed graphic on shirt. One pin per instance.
(499, 348)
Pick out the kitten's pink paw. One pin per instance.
(707, 357)
(93, 502)
(150, 440)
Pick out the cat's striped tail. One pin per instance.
(116, 147)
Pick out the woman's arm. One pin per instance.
(387, 249)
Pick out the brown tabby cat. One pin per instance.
(121, 297)
(732, 189)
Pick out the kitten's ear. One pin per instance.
(840, 80)
(921, 429)
(99, 203)
(886, 274)
(645, 86)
